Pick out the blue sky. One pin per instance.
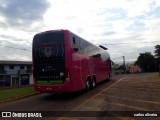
(108, 22)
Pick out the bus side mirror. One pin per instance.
(98, 55)
(76, 49)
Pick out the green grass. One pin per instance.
(16, 92)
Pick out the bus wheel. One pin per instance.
(88, 85)
(93, 83)
(108, 77)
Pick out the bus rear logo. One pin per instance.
(47, 51)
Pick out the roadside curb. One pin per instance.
(18, 98)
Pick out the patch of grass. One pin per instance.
(16, 92)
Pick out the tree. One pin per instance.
(146, 62)
(157, 51)
(157, 58)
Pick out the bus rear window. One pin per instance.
(48, 45)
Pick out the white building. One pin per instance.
(14, 73)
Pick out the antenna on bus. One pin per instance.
(103, 47)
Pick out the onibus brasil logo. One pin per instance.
(21, 114)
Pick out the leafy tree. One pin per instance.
(157, 51)
(157, 57)
(146, 62)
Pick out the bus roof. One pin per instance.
(58, 30)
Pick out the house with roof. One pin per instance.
(15, 73)
(134, 69)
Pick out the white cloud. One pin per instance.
(99, 21)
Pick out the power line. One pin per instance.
(16, 48)
(117, 57)
(130, 43)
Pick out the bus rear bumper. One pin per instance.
(53, 88)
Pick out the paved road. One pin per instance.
(137, 92)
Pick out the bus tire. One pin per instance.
(108, 77)
(88, 85)
(93, 82)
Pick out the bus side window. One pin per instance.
(80, 45)
(74, 41)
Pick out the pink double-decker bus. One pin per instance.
(64, 62)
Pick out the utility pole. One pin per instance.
(124, 65)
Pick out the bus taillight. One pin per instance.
(67, 76)
(35, 81)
